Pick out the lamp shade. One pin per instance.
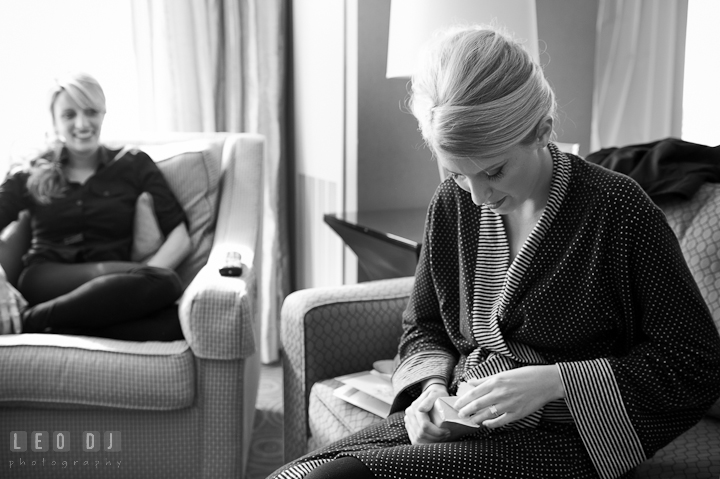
(413, 22)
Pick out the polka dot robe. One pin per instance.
(600, 288)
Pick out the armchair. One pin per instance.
(329, 332)
(182, 408)
(332, 331)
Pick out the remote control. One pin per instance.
(232, 266)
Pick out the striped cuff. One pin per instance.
(435, 380)
(593, 396)
(423, 366)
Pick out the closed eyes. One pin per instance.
(497, 175)
(492, 177)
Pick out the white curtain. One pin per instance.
(639, 65)
(217, 65)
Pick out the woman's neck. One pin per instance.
(81, 161)
(79, 168)
(546, 173)
(533, 208)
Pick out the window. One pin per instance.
(40, 39)
(701, 90)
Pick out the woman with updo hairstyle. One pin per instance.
(81, 196)
(478, 95)
(552, 308)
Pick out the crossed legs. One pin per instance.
(93, 296)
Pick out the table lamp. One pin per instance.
(413, 22)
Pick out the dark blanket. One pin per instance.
(665, 169)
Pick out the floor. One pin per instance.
(266, 449)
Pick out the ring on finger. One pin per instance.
(494, 411)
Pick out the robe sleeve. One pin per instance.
(426, 349)
(14, 197)
(628, 406)
(168, 210)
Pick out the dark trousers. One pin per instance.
(115, 299)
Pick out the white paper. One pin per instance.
(375, 385)
(358, 398)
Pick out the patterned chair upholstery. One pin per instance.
(184, 409)
(332, 331)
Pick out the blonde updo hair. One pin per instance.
(479, 93)
(46, 180)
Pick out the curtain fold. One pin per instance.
(217, 65)
(639, 65)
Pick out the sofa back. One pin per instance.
(192, 170)
(696, 223)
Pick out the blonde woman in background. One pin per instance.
(551, 297)
(81, 196)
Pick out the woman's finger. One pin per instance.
(422, 431)
(426, 401)
(476, 382)
(5, 321)
(418, 423)
(475, 407)
(476, 392)
(499, 420)
(15, 317)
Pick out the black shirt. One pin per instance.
(92, 221)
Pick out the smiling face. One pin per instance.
(78, 126)
(520, 177)
(516, 181)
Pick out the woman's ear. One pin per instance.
(544, 131)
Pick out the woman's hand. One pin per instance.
(174, 250)
(514, 394)
(419, 427)
(11, 304)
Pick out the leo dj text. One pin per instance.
(59, 441)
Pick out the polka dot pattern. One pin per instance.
(600, 288)
(550, 450)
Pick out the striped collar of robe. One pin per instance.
(496, 281)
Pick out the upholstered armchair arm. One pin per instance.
(218, 313)
(239, 225)
(327, 332)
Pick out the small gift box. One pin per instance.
(444, 415)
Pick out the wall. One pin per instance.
(567, 28)
(318, 83)
(395, 170)
(355, 145)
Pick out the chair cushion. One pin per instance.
(696, 223)
(330, 418)
(54, 370)
(192, 170)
